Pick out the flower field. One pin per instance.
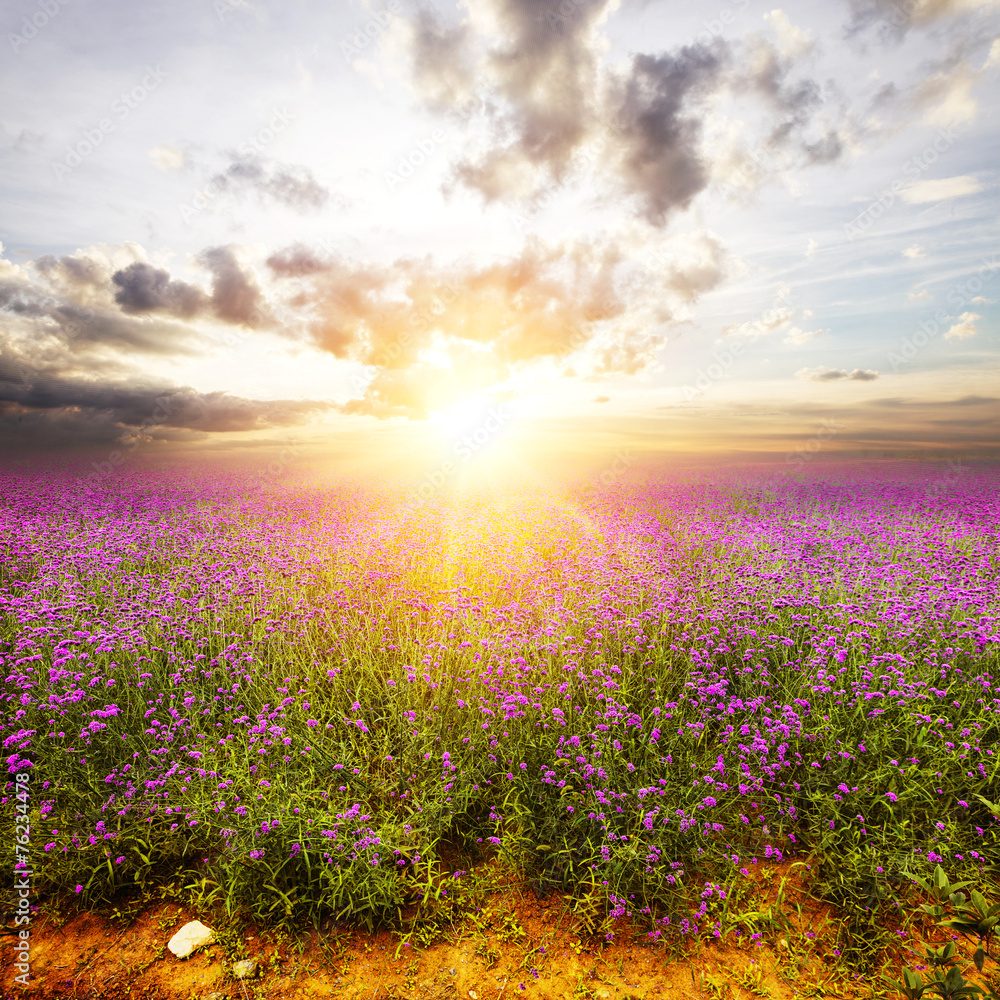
(321, 702)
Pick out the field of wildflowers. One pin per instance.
(320, 702)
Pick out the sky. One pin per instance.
(429, 232)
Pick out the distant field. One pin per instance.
(318, 702)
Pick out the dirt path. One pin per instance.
(525, 949)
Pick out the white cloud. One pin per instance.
(922, 296)
(167, 158)
(994, 57)
(824, 374)
(9, 271)
(792, 41)
(957, 103)
(964, 328)
(940, 189)
(811, 247)
(981, 300)
(796, 335)
(915, 251)
(771, 321)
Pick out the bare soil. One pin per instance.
(523, 947)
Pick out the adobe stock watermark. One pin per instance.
(410, 162)
(901, 13)
(469, 443)
(355, 43)
(424, 148)
(223, 8)
(528, 211)
(121, 107)
(714, 371)
(165, 407)
(70, 331)
(799, 457)
(958, 297)
(944, 139)
(277, 468)
(22, 877)
(252, 145)
(45, 11)
(616, 470)
(954, 471)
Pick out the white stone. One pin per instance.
(191, 937)
(245, 969)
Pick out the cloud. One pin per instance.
(659, 159)
(914, 252)
(890, 20)
(538, 303)
(67, 370)
(922, 296)
(292, 186)
(940, 189)
(811, 247)
(93, 314)
(442, 69)
(824, 374)
(549, 106)
(964, 328)
(143, 288)
(797, 336)
(64, 306)
(236, 296)
(167, 158)
(778, 317)
(68, 416)
(418, 323)
(134, 404)
(538, 69)
(792, 41)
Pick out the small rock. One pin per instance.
(191, 937)
(245, 969)
(452, 972)
(474, 995)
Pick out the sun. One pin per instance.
(462, 417)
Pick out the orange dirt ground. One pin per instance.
(539, 954)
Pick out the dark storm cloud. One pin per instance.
(292, 186)
(144, 288)
(655, 115)
(42, 407)
(237, 298)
